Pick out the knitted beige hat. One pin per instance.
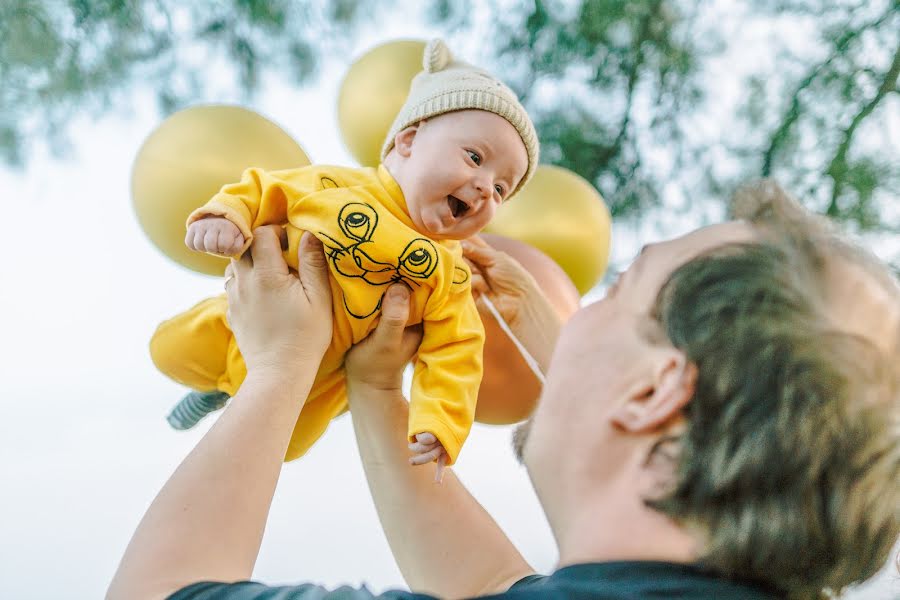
(447, 85)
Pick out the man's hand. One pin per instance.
(501, 278)
(216, 235)
(277, 317)
(378, 361)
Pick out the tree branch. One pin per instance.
(837, 169)
(635, 73)
(793, 111)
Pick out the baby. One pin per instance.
(460, 146)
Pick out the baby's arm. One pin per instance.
(224, 225)
(216, 235)
(446, 378)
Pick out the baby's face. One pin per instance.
(461, 166)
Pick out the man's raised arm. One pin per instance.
(444, 542)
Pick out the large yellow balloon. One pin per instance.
(373, 90)
(561, 214)
(185, 161)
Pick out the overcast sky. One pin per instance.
(84, 446)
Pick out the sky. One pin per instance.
(84, 446)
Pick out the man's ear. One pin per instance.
(403, 141)
(650, 407)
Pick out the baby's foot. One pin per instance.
(194, 406)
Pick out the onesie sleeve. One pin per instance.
(259, 198)
(449, 366)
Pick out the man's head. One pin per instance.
(730, 382)
(460, 146)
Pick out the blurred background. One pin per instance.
(664, 106)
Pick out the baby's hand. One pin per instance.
(216, 235)
(428, 449)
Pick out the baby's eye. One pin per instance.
(476, 158)
(499, 189)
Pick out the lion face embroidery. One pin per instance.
(358, 222)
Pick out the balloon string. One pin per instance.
(529, 359)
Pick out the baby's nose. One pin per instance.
(484, 187)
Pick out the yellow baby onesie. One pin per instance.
(360, 216)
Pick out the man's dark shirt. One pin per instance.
(605, 581)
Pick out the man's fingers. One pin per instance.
(241, 265)
(394, 314)
(313, 266)
(481, 254)
(266, 249)
(412, 337)
(479, 285)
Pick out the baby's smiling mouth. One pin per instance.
(457, 207)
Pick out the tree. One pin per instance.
(834, 99)
(619, 90)
(61, 58)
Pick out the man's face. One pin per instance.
(461, 167)
(603, 357)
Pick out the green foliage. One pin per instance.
(63, 59)
(840, 98)
(602, 56)
(618, 90)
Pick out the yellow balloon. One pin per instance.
(372, 92)
(561, 214)
(185, 161)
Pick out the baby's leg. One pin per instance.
(197, 349)
(192, 348)
(327, 400)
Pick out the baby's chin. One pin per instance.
(433, 227)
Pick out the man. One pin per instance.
(722, 424)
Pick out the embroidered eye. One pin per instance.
(358, 221)
(419, 259)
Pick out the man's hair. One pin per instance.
(790, 461)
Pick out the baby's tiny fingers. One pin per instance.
(422, 459)
(425, 438)
(236, 244)
(211, 240)
(419, 448)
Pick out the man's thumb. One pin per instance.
(312, 262)
(394, 310)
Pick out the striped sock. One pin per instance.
(193, 407)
